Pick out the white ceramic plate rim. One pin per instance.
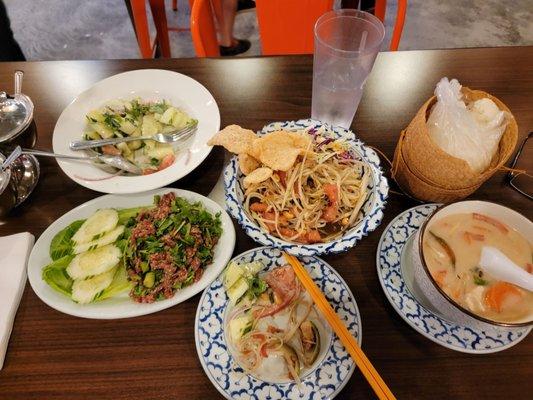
(122, 306)
(197, 318)
(130, 84)
(404, 317)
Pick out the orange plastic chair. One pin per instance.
(287, 26)
(203, 28)
(147, 47)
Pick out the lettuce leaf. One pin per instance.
(126, 213)
(119, 284)
(56, 276)
(61, 244)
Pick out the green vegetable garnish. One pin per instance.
(159, 108)
(112, 121)
(479, 281)
(257, 286)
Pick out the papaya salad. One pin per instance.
(151, 251)
(272, 327)
(301, 186)
(137, 117)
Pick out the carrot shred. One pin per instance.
(439, 277)
(496, 294)
(529, 267)
(473, 236)
(258, 207)
(491, 221)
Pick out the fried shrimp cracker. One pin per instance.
(279, 150)
(247, 163)
(257, 176)
(234, 139)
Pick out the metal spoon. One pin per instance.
(171, 137)
(12, 157)
(114, 161)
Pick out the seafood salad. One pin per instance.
(272, 327)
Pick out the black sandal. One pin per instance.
(242, 46)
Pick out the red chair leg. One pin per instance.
(160, 20)
(138, 8)
(174, 5)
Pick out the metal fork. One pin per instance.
(171, 137)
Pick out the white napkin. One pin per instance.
(14, 252)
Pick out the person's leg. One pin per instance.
(9, 48)
(226, 20)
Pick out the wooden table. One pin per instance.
(56, 356)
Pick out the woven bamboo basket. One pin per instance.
(428, 173)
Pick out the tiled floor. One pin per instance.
(100, 29)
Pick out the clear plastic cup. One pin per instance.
(346, 45)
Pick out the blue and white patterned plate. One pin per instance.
(371, 212)
(393, 274)
(324, 382)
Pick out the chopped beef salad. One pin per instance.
(169, 247)
(151, 251)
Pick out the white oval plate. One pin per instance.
(329, 374)
(122, 306)
(150, 84)
(396, 279)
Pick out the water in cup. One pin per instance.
(336, 95)
(346, 45)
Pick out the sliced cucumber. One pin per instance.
(166, 118)
(123, 147)
(102, 130)
(150, 126)
(92, 135)
(96, 115)
(96, 225)
(127, 127)
(94, 262)
(108, 238)
(180, 119)
(84, 290)
(251, 269)
(233, 273)
(238, 326)
(237, 290)
(159, 151)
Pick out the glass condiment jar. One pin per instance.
(16, 117)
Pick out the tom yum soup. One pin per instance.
(452, 250)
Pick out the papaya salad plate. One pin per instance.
(259, 336)
(125, 256)
(141, 103)
(303, 186)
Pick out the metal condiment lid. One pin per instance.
(16, 113)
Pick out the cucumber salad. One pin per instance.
(137, 117)
(150, 251)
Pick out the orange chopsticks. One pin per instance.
(372, 376)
